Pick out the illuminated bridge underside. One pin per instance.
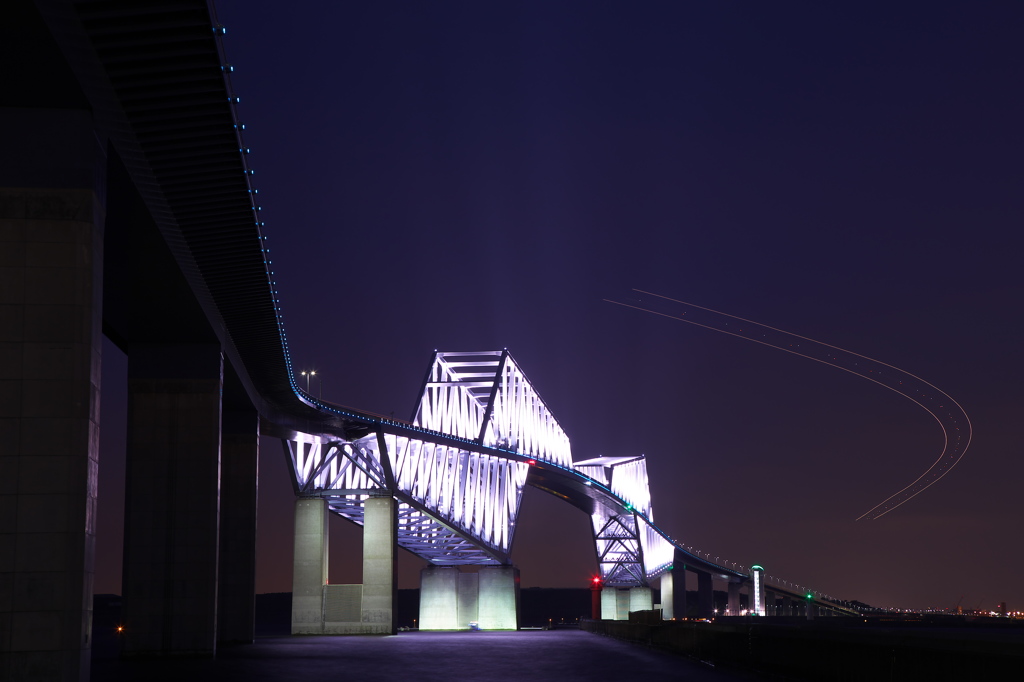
(456, 506)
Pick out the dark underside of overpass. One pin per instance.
(184, 258)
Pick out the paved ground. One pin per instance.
(536, 655)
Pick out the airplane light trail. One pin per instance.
(952, 419)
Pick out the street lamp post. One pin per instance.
(308, 375)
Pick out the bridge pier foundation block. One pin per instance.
(616, 603)
(236, 573)
(380, 586)
(439, 598)
(51, 265)
(609, 597)
(608, 603)
(451, 599)
(678, 572)
(733, 608)
(667, 596)
(499, 598)
(172, 499)
(622, 604)
(469, 599)
(640, 599)
(705, 595)
(309, 568)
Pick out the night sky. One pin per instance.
(475, 176)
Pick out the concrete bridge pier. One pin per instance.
(733, 606)
(236, 573)
(499, 598)
(609, 604)
(640, 599)
(617, 602)
(705, 595)
(379, 603)
(678, 573)
(440, 605)
(367, 608)
(667, 589)
(451, 599)
(52, 221)
(172, 512)
(309, 566)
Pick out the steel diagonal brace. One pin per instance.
(335, 449)
(616, 521)
(368, 465)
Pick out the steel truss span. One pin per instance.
(485, 397)
(480, 433)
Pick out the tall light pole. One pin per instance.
(308, 375)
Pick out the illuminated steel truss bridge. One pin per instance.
(480, 433)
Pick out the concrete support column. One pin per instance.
(236, 580)
(622, 604)
(770, 608)
(439, 598)
(640, 599)
(449, 598)
(787, 606)
(51, 274)
(608, 603)
(680, 604)
(733, 607)
(705, 595)
(667, 596)
(499, 598)
(468, 599)
(380, 582)
(172, 500)
(309, 574)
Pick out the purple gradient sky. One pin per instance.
(470, 176)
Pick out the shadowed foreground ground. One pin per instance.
(562, 655)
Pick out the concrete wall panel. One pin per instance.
(51, 241)
(499, 598)
(309, 573)
(439, 598)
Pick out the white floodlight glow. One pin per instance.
(485, 397)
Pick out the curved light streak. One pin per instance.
(951, 417)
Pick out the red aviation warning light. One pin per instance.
(596, 585)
